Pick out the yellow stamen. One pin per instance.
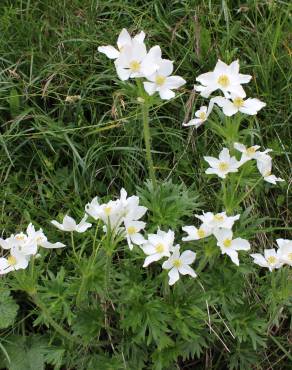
(159, 248)
(201, 233)
(203, 116)
(218, 218)
(12, 261)
(107, 210)
(250, 151)
(238, 102)
(135, 66)
(271, 260)
(290, 256)
(131, 230)
(223, 166)
(159, 80)
(177, 263)
(223, 80)
(227, 243)
(267, 173)
(20, 237)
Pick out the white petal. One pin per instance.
(213, 162)
(138, 239)
(140, 37)
(197, 122)
(58, 225)
(152, 258)
(259, 260)
(165, 67)
(174, 82)
(188, 257)
(49, 245)
(173, 276)
(240, 244)
(252, 106)
(109, 51)
(150, 87)
(69, 223)
(124, 38)
(166, 94)
(123, 73)
(187, 270)
(234, 256)
(244, 79)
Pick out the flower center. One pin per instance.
(135, 66)
(11, 260)
(131, 230)
(250, 151)
(271, 260)
(160, 80)
(203, 116)
(218, 218)
(267, 173)
(290, 256)
(107, 210)
(227, 243)
(177, 263)
(238, 102)
(20, 237)
(223, 166)
(223, 80)
(159, 248)
(201, 233)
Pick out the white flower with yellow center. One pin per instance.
(179, 264)
(15, 261)
(201, 116)
(162, 82)
(157, 246)
(132, 231)
(285, 251)
(248, 153)
(264, 165)
(195, 233)
(238, 104)
(69, 224)
(270, 259)
(124, 39)
(134, 61)
(225, 78)
(40, 239)
(218, 220)
(222, 166)
(230, 246)
(131, 209)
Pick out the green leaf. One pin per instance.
(8, 308)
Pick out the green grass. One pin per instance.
(55, 156)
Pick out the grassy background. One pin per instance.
(54, 155)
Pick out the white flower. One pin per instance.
(134, 61)
(219, 220)
(270, 259)
(264, 165)
(285, 251)
(230, 246)
(40, 238)
(195, 233)
(248, 153)
(224, 77)
(123, 40)
(133, 235)
(179, 264)
(131, 209)
(158, 246)
(111, 213)
(69, 224)
(237, 104)
(202, 115)
(15, 261)
(20, 242)
(222, 166)
(162, 82)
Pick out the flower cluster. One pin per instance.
(273, 259)
(120, 216)
(22, 247)
(226, 164)
(220, 225)
(229, 81)
(133, 61)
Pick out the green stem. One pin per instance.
(146, 130)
